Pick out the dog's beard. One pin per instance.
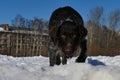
(68, 46)
(68, 49)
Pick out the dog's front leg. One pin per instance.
(83, 55)
(64, 60)
(52, 53)
(54, 56)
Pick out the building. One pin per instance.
(23, 43)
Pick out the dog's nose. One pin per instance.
(68, 47)
(69, 44)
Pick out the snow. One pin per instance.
(37, 68)
(2, 29)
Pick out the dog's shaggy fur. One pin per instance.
(67, 33)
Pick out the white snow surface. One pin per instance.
(37, 68)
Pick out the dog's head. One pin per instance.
(68, 38)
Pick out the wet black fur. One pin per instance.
(57, 43)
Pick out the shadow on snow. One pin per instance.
(95, 62)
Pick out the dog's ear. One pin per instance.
(56, 35)
(58, 32)
(82, 31)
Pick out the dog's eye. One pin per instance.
(63, 36)
(73, 36)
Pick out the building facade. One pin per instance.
(22, 43)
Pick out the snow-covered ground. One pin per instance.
(37, 68)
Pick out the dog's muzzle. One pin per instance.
(68, 51)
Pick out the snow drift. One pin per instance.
(37, 68)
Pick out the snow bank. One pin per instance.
(37, 68)
(2, 29)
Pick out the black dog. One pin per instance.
(67, 33)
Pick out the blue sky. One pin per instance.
(43, 8)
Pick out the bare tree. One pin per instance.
(103, 36)
(96, 15)
(93, 23)
(114, 21)
(37, 24)
(18, 21)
